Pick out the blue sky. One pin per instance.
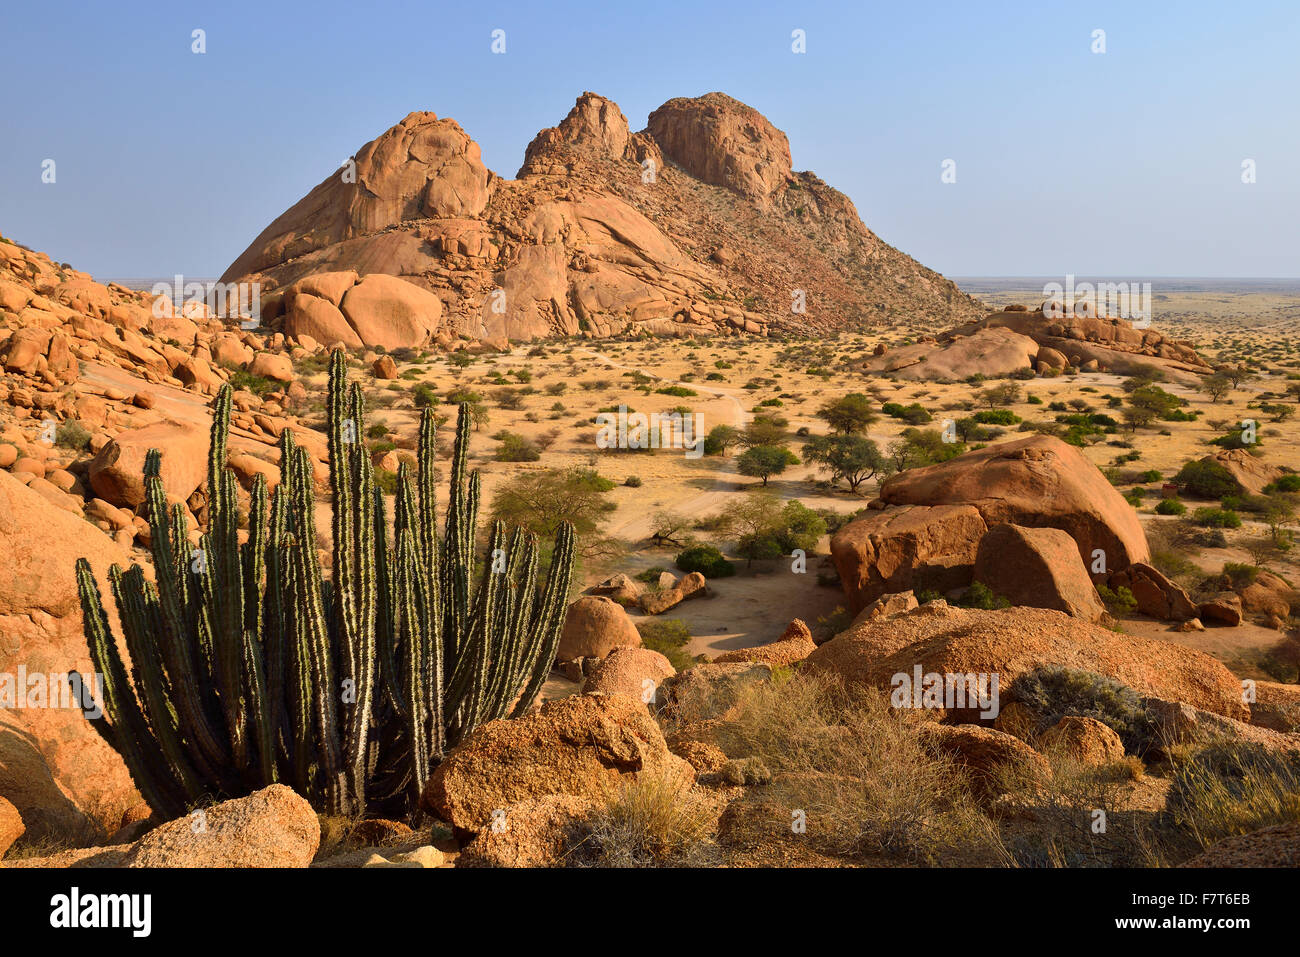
(1125, 164)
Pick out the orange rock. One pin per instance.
(584, 745)
(273, 827)
(117, 472)
(903, 549)
(1015, 641)
(1039, 567)
(1085, 740)
(795, 644)
(54, 767)
(724, 142)
(635, 672)
(593, 627)
(1037, 481)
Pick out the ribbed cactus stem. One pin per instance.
(247, 667)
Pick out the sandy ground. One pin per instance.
(561, 386)
(754, 607)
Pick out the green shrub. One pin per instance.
(1170, 506)
(423, 394)
(1053, 692)
(979, 595)
(1216, 518)
(1236, 439)
(72, 435)
(669, 637)
(256, 384)
(517, 448)
(1207, 480)
(1119, 602)
(1287, 483)
(632, 481)
(458, 395)
(386, 481)
(996, 417)
(914, 414)
(1240, 574)
(1231, 787)
(706, 560)
(677, 390)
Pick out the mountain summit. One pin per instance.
(697, 224)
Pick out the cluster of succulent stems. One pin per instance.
(248, 666)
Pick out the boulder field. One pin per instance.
(1044, 341)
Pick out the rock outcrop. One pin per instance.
(422, 168)
(1155, 594)
(987, 756)
(1085, 740)
(690, 585)
(725, 143)
(604, 231)
(795, 644)
(117, 472)
(913, 548)
(536, 832)
(986, 352)
(1039, 567)
(1018, 340)
(635, 672)
(1277, 846)
(377, 310)
(1014, 641)
(1037, 482)
(1250, 473)
(11, 826)
(273, 827)
(593, 627)
(54, 768)
(583, 746)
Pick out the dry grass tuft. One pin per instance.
(651, 822)
(858, 772)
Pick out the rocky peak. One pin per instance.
(595, 124)
(422, 168)
(598, 235)
(595, 129)
(723, 142)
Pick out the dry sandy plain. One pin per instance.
(568, 382)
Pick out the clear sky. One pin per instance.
(1125, 164)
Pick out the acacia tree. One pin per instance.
(1237, 374)
(1000, 396)
(764, 430)
(919, 447)
(721, 438)
(549, 498)
(848, 414)
(667, 528)
(764, 461)
(853, 458)
(765, 528)
(1216, 386)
